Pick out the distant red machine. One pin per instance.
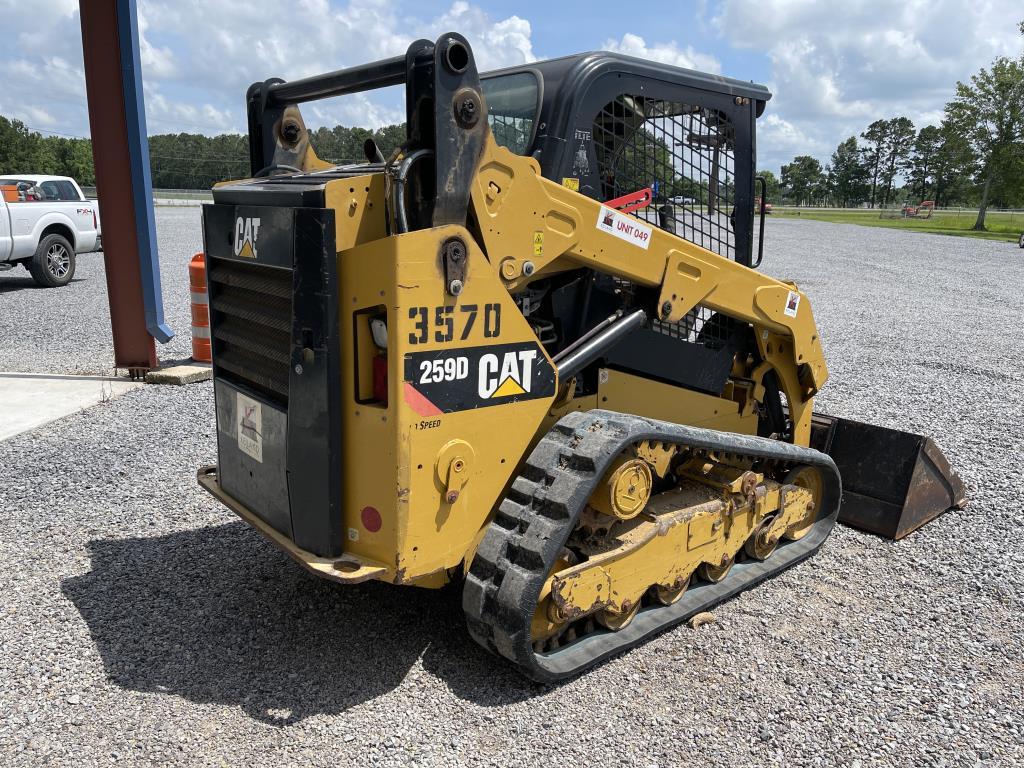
(922, 211)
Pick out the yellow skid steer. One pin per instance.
(530, 350)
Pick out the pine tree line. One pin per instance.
(177, 161)
(974, 157)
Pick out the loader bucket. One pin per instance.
(893, 482)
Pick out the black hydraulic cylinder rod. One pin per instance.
(599, 343)
(365, 77)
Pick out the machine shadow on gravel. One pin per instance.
(217, 615)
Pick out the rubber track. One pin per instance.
(536, 517)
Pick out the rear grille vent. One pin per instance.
(251, 320)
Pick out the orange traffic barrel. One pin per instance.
(201, 351)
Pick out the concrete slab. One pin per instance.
(186, 373)
(29, 400)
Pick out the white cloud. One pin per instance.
(234, 46)
(39, 116)
(199, 57)
(495, 43)
(786, 139)
(358, 109)
(833, 67)
(667, 53)
(43, 81)
(156, 62)
(165, 115)
(836, 67)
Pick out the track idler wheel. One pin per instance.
(761, 545)
(716, 573)
(626, 489)
(670, 595)
(616, 620)
(805, 476)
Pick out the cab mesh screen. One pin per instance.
(685, 153)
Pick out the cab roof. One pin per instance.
(567, 74)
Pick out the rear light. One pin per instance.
(380, 378)
(371, 519)
(379, 332)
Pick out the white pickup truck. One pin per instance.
(44, 222)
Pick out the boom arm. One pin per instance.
(532, 226)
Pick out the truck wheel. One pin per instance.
(1021, 241)
(54, 262)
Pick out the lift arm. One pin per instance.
(532, 227)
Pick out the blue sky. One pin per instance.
(833, 66)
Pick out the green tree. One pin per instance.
(921, 168)
(953, 167)
(988, 113)
(876, 136)
(24, 151)
(194, 161)
(772, 187)
(899, 140)
(74, 158)
(889, 143)
(847, 175)
(803, 178)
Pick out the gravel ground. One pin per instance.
(141, 624)
(68, 330)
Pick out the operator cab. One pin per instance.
(609, 125)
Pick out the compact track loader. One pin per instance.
(530, 350)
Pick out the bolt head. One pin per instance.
(290, 132)
(455, 287)
(466, 108)
(666, 309)
(452, 497)
(528, 268)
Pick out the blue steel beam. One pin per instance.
(113, 80)
(142, 181)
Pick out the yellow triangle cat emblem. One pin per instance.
(508, 388)
(246, 251)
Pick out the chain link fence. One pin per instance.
(169, 196)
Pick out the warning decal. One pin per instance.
(249, 418)
(446, 381)
(623, 227)
(792, 304)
